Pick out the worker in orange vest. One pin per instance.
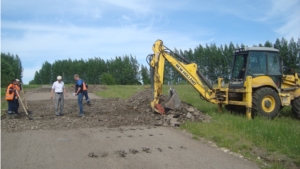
(18, 88)
(10, 97)
(85, 93)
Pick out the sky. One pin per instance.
(40, 30)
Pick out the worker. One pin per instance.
(59, 88)
(18, 89)
(10, 97)
(85, 93)
(79, 93)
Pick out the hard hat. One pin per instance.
(58, 77)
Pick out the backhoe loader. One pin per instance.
(257, 84)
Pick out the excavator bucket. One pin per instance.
(173, 101)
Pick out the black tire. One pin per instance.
(296, 107)
(266, 102)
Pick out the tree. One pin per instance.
(268, 44)
(107, 79)
(7, 73)
(145, 75)
(46, 73)
(11, 68)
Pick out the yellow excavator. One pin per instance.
(257, 84)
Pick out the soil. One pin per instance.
(103, 112)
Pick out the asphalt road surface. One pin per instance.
(161, 147)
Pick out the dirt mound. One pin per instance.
(112, 112)
(143, 98)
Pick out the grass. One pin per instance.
(235, 132)
(3, 92)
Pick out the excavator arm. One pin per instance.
(185, 68)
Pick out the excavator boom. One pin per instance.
(187, 70)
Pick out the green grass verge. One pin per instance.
(234, 132)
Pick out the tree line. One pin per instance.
(123, 70)
(11, 68)
(212, 60)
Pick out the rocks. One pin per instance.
(147, 150)
(196, 113)
(189, 115)
(133, 151)
(190, 109)
(92, 154)
(174, 122)
(184, 113)
(121, 153)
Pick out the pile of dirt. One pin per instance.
(185, 112)
(111, 112)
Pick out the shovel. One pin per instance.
(30, 118)
(23, 93)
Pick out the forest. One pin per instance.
(11, 68)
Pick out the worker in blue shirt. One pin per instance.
(79, 93)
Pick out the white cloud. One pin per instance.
(49, 43)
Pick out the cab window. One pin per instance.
(257, 63)
(273, 64)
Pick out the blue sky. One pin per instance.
(40, 31)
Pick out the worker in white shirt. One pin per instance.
(59, 89)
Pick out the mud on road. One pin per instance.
(104, 112)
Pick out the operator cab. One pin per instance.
(255, 62)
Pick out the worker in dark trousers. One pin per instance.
(10, 97)
(18, 89)
(85, 93)
(79, 94)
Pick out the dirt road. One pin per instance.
(169, 148)
(122, 133)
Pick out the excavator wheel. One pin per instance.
(265, 102)
(296, 107)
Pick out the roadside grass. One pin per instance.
(3, 92)
(250, 138)
(241, 135)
